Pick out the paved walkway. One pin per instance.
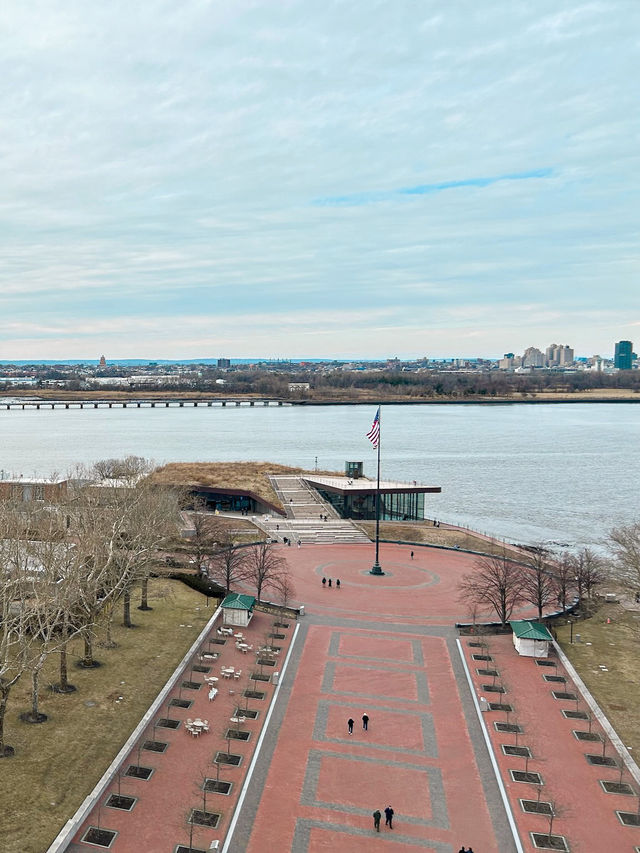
(385, 646)
(375, 645)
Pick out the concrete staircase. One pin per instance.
(305, 511)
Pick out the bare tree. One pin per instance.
(16, 640)
(284, 588)
(229, 565)
(538, 587)
(53, 588)
(589, 571)
(265, 567)
(208, 534)
(564, 576)
(625, 545)
(496, 582)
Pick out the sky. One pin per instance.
(339, 179)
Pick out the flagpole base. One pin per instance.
(376, 569)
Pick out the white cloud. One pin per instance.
(161, 161)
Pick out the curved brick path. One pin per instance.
(384, 646)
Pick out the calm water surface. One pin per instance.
(562, 473)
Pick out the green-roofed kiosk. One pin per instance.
(237, 609)
(531, 638)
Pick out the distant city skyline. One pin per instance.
(554, 355)
(307, 180)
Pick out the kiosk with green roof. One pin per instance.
(531, 638)
(237, 609)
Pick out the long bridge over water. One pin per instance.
(134, 404)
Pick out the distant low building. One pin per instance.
(299, 386)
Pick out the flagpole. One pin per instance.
(376, 568)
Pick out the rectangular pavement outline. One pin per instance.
(302, 836)
(422, 686)
(430, 749)
(414, 642)
(440, 816)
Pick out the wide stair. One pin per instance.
(305, 513)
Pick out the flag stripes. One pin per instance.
(374, 433)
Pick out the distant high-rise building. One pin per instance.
(551, 355)
(623, 355)
(224, 362)
(533, 357)
(558, 356)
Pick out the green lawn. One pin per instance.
(613, 644)
(58, 762)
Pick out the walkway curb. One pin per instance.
(494, 763)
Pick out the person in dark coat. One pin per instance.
(376, 820)
(350, 725)
(365, 721)
(388, 817)
(324, 581)
(329, 581)
(338, 582)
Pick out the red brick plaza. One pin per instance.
(387, 646)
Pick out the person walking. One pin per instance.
(365, 722)
(329, 583)
(412, 555)
(324, 581)
(350, 723)
(376, 820)
(338, 582)
(388, 817)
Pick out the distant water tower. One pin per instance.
(353, 470)
(103, 361)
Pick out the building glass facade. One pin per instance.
(401, 506)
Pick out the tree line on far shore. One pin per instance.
(342, 383)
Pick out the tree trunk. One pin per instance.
(126, 610)
(35, 692)
(64, 679)
(4, 698)
(144, 595)
(88, 660)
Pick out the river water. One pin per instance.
(528, 473)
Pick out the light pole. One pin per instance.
(570, 621)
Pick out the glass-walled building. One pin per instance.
(357, 498)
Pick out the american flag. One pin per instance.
(374, 433)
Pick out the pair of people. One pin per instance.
(365, 723)
(464, 849)
(388, 818)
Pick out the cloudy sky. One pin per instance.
(335, 178)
